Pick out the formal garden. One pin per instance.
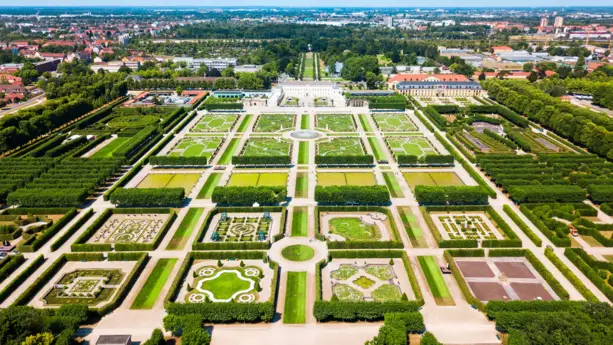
(393, 122)
(215, 123)
(85, 286)
(196, 147)
(335, 122)
(270, 123)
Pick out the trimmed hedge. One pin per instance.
(577, 283)
(451, 195)
(261, 160)
(546, 193)
(148, 196)
(551, 235)
(520, 223)
(178, 161)
(325, 311)
(600, 193)
(589, 266)
(72, 230)
(455, 270)
(344, 160)
(343, 195)
(248, 195)
(427, 160)
(35, 242)
(25, 274)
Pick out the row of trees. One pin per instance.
(148, 196)
(342, 195)
(425, 160)
(248, 195)
(344, 160)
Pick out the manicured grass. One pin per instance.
(435, 280)
(352, 229)
(365, 123)
(245, 123)
(300, 221)
(302, 185)
(394, 123)
(186, 228)
(376, 149)
(392, 184)
(226, 157)
(257, 179)
(274, 122)
(410, 145)
(298, 252)
(186, 181)
(294, 310)
(225, 285)
(412, 227)
(107, 151)
(346, 179)
(304, 122)
(303, 152)
(266, 147)
(336, 122)
(153, 286)
(196, 147)
(207, 190)
(345, 146)
(432, 179)
(215, 123)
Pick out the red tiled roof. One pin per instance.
(422, 77)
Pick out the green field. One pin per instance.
(394, 123)
(300, 221)
(196, 147)
(298, 252)
(365, 123)
(340, 147)
(346, 179)
(245, 123)
(432, 179)
(353, 230)
(392, 184)
(302, 185)
(211, 182)
(435, 280)
(294, 311)
(215, 123)
(304, 121)
(266, 147)
(226, 157)
(153, 286)
(269, 123)
(412, 146)
(225, 285)
(376, 149)
(303, 152)
(335, 122)
(257, 179)
(412, 227)
(186, 181)
(107, 151)
(309, 72)
(186, 228)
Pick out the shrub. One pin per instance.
(354, 311)
(248, 195)
(148, 196)
(600, 193)
(546, 193)
(341, 195)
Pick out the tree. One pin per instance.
(482, 76)
(179, 90)
(528, 66)
(502, 74)
(228, 72)
(558, 91)
(195, 336)
(249, 81)
(371, 80)
(563, 71)
(533, 77)
(28, 73)
(39, 339)
(124, 69)
(579, 70)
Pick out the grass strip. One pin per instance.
(376, 149)
(392, 185)
(187, 226)
(302, 185)
(153, 286)
(245, 123)
(408, 220)
(226, 158)
(295, 298)
(435, 280)
(303, 152)
(300, 221)
(365, 123)
(304, 122)
(207, 190)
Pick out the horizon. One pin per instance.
(161, 4)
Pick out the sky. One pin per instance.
(315, 3)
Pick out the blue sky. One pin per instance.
(312, 3)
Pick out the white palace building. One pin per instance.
(307, 93)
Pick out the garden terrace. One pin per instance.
(265, 151)
(432, 179)
(228, 228)
(335, 122)
(487, 142)
(357, 227)
(415, 151)
(393, 122)
(530, 141)
(258, 179)
(364, 285)
(342, 151)
(68, 183)
(270, 123)
(262, 309)
(345, 179)
(134, 118)
(187, 181)
(215, 123)
(126, 229)
(469, 226)
(504, 275)
(86, 278)
(16, 172)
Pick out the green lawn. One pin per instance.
(153, 286)
(258, 179)
(107, 151)
(274, 122)
(392, 184)
(185, 181)
(432, 179)
(298, 252)
(412, 227)
(225, 285)
(215, 123)
(226, 157)
(376, 149)
(300, 221)
(335, 122)
(435, 280)
(196, 147)
(303, 152)
(302, 185)
(211, 182)
(294, 310)
(365, 123)
(346, 179)
(266, 147)
(344, 146)
(394, 123)
(186, 228)
(304, 121)
(245, 123)
(352, 229)
(410, 145)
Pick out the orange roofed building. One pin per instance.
(435, 85)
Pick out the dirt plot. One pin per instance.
(475, 269)
(531, 291)
(488, 291)
(514, 270)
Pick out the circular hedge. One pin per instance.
(298, 252)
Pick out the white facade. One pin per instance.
(218, 64)
(306, 92)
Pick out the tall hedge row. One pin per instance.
(342, 195)
(148, 196)
(451, 195)
(344, 160)
(248, 195)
